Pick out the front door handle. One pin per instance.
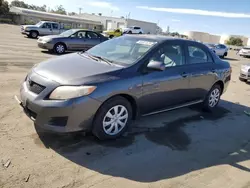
(184, 74)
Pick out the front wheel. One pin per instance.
(112, 119)
(33, 34)
(60, 48)
(212, 98)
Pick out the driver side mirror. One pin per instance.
(156, 65)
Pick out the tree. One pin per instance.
(18, 3)
(4, 7)
(59, 10)
(22, 4)
(72, 13)
(235, 41)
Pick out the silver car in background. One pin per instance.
(71, 40)
(245, 72)
(245, 51)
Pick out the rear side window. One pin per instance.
(55, 26)
(137, 28)
(92, 35)
(47, 25)
(197, 55)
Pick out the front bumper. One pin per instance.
(56, 115)
(246, 54)
(47, 46)
(245, 75)
(25, 32)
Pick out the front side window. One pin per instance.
(46, 25)
(123, 50)
(171, 55)
(197, 55)
(137, 28)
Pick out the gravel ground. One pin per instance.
(182, 148)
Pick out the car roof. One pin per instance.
(159, 38)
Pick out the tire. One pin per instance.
(140, 33)
(130, 32)
(111, 36)
(106, 132)
(33, 34)
(216, 91)
(225, 54)
(60, 48)
(242, 79)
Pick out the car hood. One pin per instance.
(30, 26)
(76, 69)
(52, 37)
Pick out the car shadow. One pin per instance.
(53, 53)
(230, 59)
(174, 148)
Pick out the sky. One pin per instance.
(212, 16)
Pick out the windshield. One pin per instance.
(123, 50)
(39, 23)
(68, 33)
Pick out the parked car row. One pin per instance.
(106, 87)
(71, 40)
(219, 49)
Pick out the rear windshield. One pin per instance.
(246, 48)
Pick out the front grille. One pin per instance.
(35, 87)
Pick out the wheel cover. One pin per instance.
(60, 48)
(214, 97)
(33, 34)
(115, 120)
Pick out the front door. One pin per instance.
(46, 29)
(92, 39)
(168, 88)
(77, 41)
(201, 69)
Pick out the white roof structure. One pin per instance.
(47, 15)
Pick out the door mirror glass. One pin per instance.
(156, 65)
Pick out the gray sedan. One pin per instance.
(71, 40)
(103, 89)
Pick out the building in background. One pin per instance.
(225, 38)
(27, 16)
(203, 37)
(109, 22)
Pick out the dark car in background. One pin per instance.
(71, 40)
(103, 89)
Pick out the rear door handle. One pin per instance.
(184, 74)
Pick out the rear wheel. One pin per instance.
(112, 119)
(212, 98)
(60, 48)
(130, 32)
(111, 36)
(140, 33)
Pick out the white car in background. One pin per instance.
(245, 51)
(220, 49)
(132, 30)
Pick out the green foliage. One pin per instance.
(6, 20)
(59, 10)
(4, 7)
(235, 41)
(22, 4)
(72, 13)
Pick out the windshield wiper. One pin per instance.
(98, 58)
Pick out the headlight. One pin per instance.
(69, 92)
(46, 39)
(27, 29)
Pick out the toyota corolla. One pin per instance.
(103, 89)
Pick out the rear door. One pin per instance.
(55, 28)
(92, 39)
(202, 69)
(168, 88)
